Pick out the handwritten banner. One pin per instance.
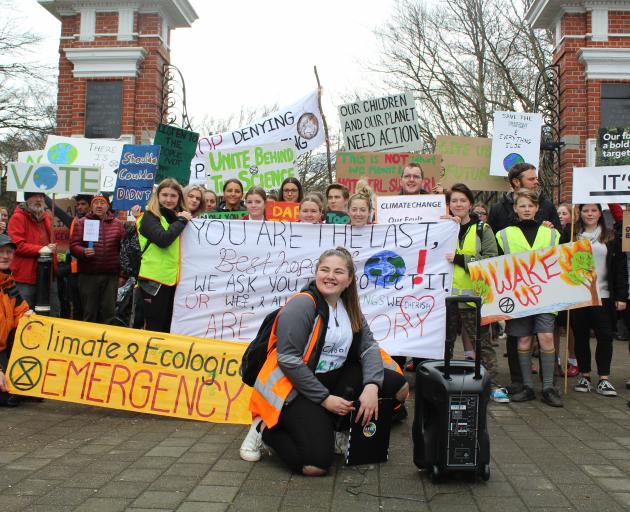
(287, 211)
(177, 148)
(300, 123)
(129, 369)
(102, 153)
(412, 208)
(237, 214)
(45, 178)
(613, 146)
(382, 171)
(515, 139)
(234, 273)
(136, 176)
(543, 281)
(601, 184)
(467, 160)
(389, 124)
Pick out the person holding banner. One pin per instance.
(528, 235)
(232, 196)
(255, 202)
(210, 200)
(360, 205)
(476, 241)
(612, 289)
(194, 200)
(158, 232)
(311, 209)
(412, 179)
(323, 358)
(291, 190)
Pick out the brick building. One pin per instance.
(592, 51)
(111, 57)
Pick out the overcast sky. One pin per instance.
(246, 53)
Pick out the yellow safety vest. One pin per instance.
(469, 246)
(512, 239)
(160, 265)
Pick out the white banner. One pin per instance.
(609, 184)
(414, 208)
(388, 124)
(300, 123)
(515, 139)
(103, 153)
(255, 166)
(49, 178)
(233, 273)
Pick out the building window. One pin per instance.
(615, 105)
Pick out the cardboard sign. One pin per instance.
(601, 184)
(337, 218)
(382, 171)
(543, 281)
(287, 211)
(234, 273)
(129, 369)
(235, 215)
(416, 208)
(91, 230)
(300, 123)
(388, 124)
(177, 149)
(467, 160)
(515, 139)
(102, 153)
(45, 178)
(254, 166)
(136, 176)
(625, 239)
(613, 146)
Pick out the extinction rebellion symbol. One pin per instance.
(506, 304)
(25, 373)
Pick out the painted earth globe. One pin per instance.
(62, 154)
(385, 268)
(45, 178)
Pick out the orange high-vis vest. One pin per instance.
(389, 363)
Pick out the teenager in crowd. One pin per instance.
(12, 308)
(325, 357)
(98, 262)
(612, 288)
(291, 190)
(210, 201)
(475, 242)
(232, 196)
(412, 179)
(255, 202)
(158, 232)
(481, 211)
(130, 257)
(311, 209)
(360, 205)
(529, 234)
(4, 219)
(194, 200)
(337, 196)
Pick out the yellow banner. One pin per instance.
(129, 369)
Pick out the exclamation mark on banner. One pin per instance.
(422, 259)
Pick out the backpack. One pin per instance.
(257, 351)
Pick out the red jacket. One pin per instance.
(12, 307)
(30, 235)
(106, 259)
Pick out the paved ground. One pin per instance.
(58, 457)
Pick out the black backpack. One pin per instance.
(257, 351)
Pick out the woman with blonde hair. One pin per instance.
(158, 233)
(194, 199)
(360, 205)
(311, 209)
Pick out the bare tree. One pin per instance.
(463, 60)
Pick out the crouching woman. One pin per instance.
(324, 359)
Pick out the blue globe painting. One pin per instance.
(511, 159)
(385, 268)
(62, 154)
(45, 178)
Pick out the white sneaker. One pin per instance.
(341, 442)
(604, 387)
(252, 444)
(583, 385)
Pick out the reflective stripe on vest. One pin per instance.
(157, 264)
(520, 243)
(462, 284)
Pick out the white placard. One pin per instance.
(388, 124)
(50, 178)
(410, 208)
(91, 230)
(103, 153)
(234, 273)
(610, 184)
(300, 123)
(515, 139)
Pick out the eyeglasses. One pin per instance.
(294, 190)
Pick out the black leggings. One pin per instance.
(158, 309)
(599, 319)
(304, 435)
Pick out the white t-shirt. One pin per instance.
(338, 340)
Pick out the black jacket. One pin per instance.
(502, 213)
(152, 229)
(616, 266)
